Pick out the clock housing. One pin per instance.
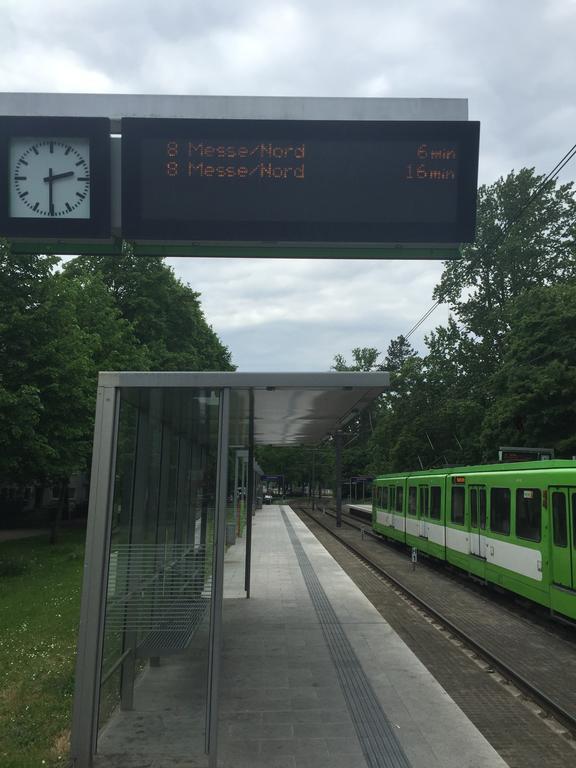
(56, 177)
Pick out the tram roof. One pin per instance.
(289, 408)
(510, 466)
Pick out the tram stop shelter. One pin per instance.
(173, 481)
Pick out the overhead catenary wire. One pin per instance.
(560, 165)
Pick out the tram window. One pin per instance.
(399, 498)
(435, 502)
(412, 500)
(391, 497)
(424, 501)
(559, 526)
(574, 520)
(473, 508)
(385, 497)
(528, 513)
(500, 510)
(482, 504)
(457, 515)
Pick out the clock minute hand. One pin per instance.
(54, 177)
(49, 179)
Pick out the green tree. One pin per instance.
(45, 362)
(399, 438)
(535, 404)
(463, 398)
(165, 314)
(374, 440)
(111, 338)
(525, 237)
(399, 350)
(299, 465)
(458, 393)
(357, 433)
(363, 359)
(24, 287)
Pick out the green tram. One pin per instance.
(511, 524)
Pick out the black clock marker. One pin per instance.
(36, 205)
(35, 150)
(51, 147)
(20, 178)
(80, 162)
(80, 195)
(23, 194)
(83, 178)
(23, 162)
(68, 207)
(68, 151)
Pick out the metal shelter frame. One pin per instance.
(115, 107)
(279, 409)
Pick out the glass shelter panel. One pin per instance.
(238, 454)
(159, 591)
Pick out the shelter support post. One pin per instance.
(91, 632)
(313, 478)
(250, 499)
(338, 448)
(211, 741)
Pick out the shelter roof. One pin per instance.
(289, 408)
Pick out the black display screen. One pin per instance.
(299, 181)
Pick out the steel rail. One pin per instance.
(567, 718)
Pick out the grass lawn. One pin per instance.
(39, 613)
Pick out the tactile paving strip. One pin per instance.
(375, 734)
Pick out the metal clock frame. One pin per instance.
(97, 131)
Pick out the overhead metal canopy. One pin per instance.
(289, 408)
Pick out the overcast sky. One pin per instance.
(514, 60)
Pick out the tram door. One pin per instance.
(563, 505)
(477, 504)
(424, 510)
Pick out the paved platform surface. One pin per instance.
(313, 677)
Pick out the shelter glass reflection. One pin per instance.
(154, 676)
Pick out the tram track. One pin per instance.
(549, 704)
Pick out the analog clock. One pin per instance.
(49, 178)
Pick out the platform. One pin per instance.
(312, 677)
(363, 509)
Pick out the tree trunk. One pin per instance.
(58, 512)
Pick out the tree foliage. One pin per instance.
(503, 368)
(300, 466)
(526, 230)
(363, 359)
(535, 387)
(165, 314)
(58, 329)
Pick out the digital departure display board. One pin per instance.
(299, 181)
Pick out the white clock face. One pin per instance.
(50, 178)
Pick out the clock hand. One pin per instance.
(53, 177)
(50, 198)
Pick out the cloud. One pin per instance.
(514, 61)
(290, 314)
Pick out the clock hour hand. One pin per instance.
(54, 177)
